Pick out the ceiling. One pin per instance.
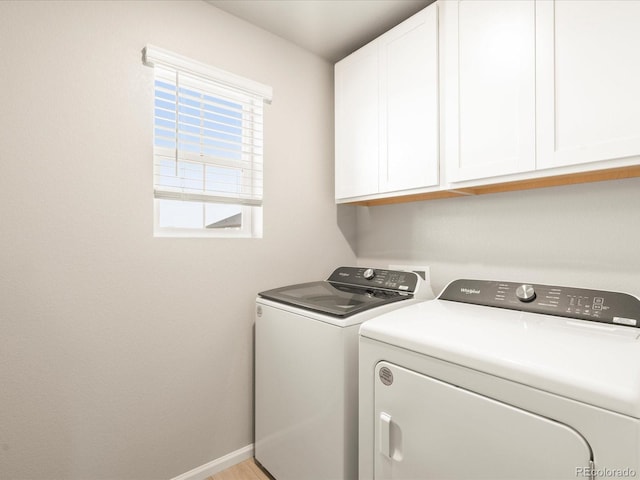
(331, 29)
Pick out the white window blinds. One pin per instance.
(208, 132)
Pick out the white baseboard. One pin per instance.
(208, 469)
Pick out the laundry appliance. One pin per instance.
(306, 373)
(499, 380)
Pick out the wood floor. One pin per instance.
(247, 470)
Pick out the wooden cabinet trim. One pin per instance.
(543, 182)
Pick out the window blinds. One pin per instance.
(208, 132)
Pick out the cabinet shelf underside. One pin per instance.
(543, 182)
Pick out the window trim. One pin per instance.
(251, 95)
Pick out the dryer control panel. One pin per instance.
(580, 303)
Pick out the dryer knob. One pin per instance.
(525, 293)
(369, 273)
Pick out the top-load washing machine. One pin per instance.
(306, 368)
(497, 380)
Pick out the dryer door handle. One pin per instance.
(385, 434)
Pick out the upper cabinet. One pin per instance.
(357, 124)
(588, 78)
(477, 96)
(488, 87)
(387, 118)
(534, 85)
(409, 120)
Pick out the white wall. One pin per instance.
(125, 356)
(582, 235)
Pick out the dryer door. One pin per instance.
(428, 429)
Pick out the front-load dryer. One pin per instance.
(496, 380)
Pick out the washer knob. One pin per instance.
(526, 293)
(369, 273)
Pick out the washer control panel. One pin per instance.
(581, 303)
(376, 278)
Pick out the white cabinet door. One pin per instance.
(427, 429)
(588, 81)
(356, 123)
(409, 128)
(489, 82)
(387, 118)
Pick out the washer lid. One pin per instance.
(333, 299)
(590, 362)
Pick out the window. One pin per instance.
(208, 149)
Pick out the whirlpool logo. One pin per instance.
(470, 291)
